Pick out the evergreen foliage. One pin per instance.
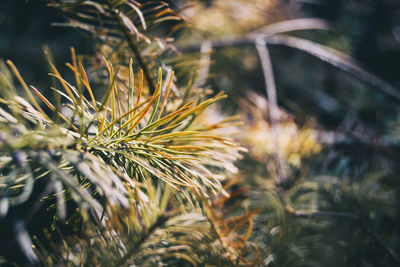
(122, 162)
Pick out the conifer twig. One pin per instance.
(160, 221)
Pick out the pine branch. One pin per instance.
(136, 247)
(349, 216)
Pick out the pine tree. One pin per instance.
(129, 159)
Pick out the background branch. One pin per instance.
(349, 216)
(324, 53)
(273, 104)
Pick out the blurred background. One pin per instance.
(339, 128)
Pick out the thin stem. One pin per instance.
(291, 25)
(205, 60)
(272, 104)
(324, 53)
(337, 59)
